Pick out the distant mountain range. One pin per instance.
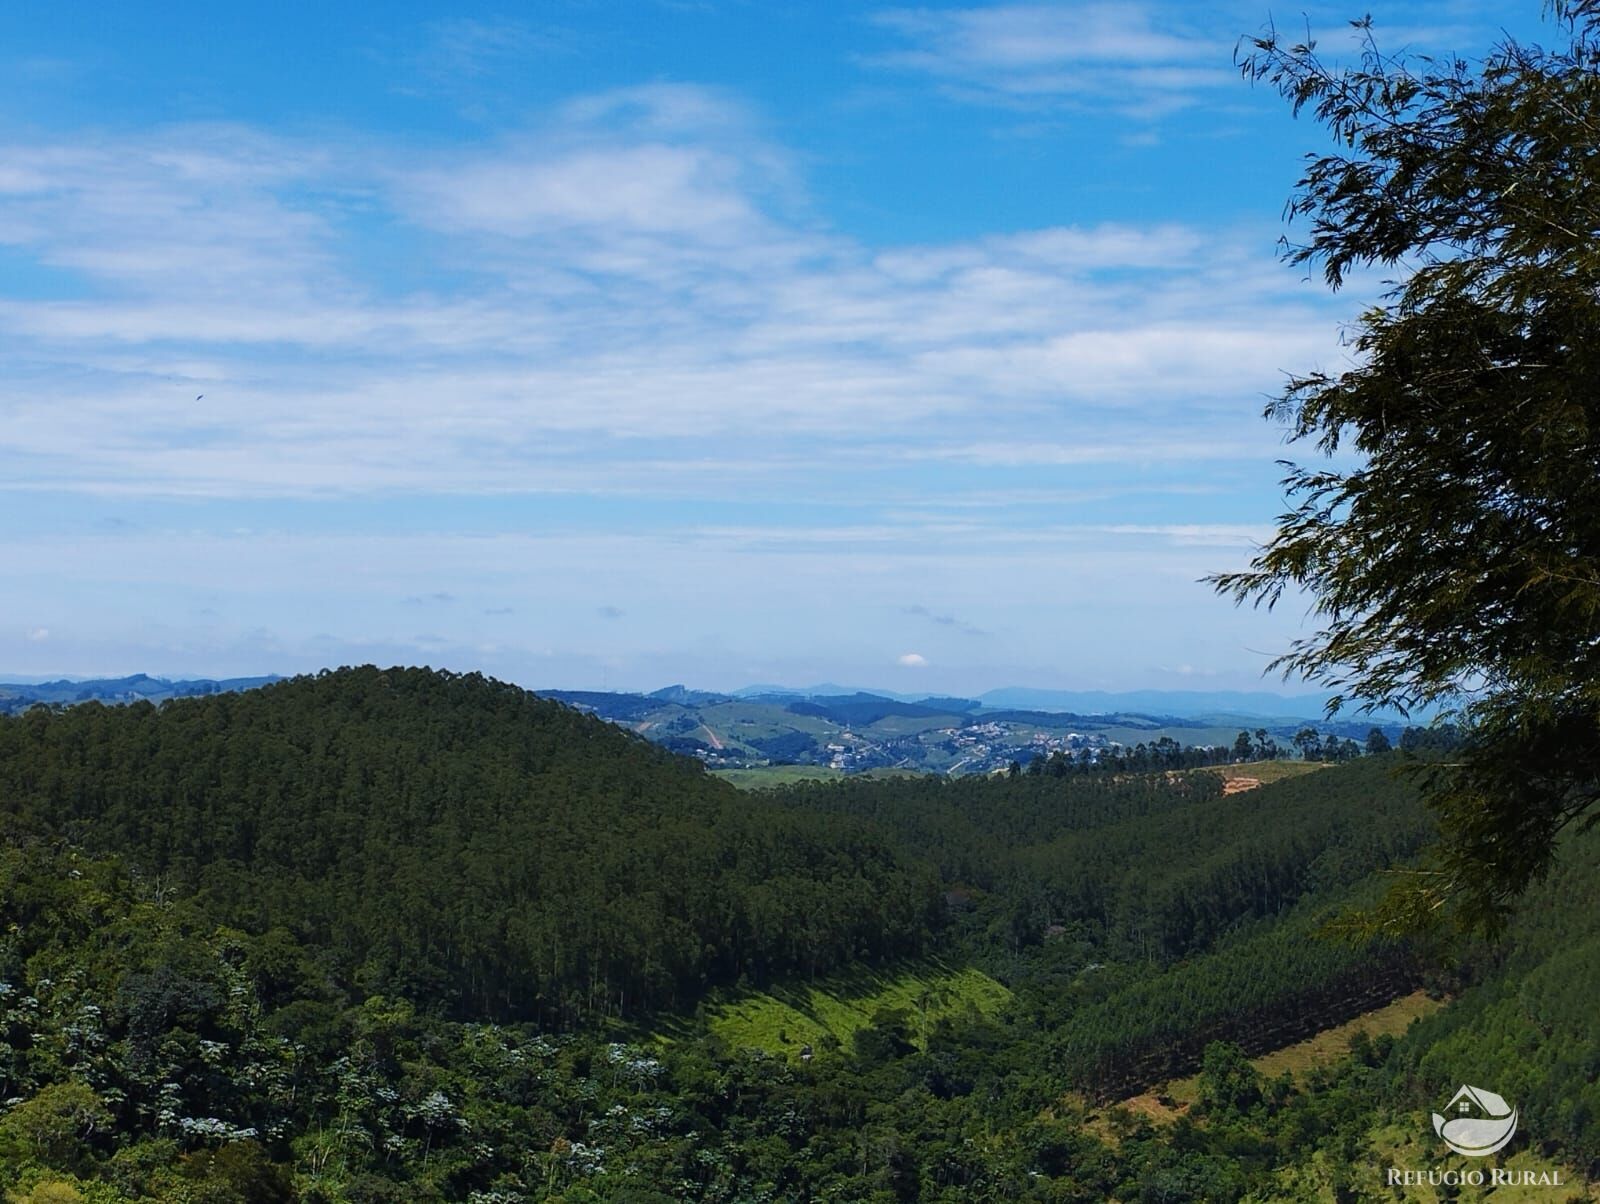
(1176, 704)
(1182, 704)
(141, 687)
(852, 730)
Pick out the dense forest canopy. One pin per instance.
(301, 944)
(463, 842)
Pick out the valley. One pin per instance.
(864, 732)
(396, 934)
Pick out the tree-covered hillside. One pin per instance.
(1156, 866)
(408, 936)
(463, 843)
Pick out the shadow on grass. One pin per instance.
(830, 1006)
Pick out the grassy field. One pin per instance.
(1407, 1144)
(1331, 1044)
(1269, 771)
(1168, 1102)
(912, 725)
(1131, 735)
(828, 1012)
(776, 775)
(761, 719)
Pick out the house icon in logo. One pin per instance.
(1477, 1122)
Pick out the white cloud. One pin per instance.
(186, 213)
(39, 634)
(650, 189)
(630, 298)
(1135, 58)
(912, 660)
(470, 46)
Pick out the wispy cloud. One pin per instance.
(606, 300)
(465, 61)
(1139, 59)
(627, 308)
(474, 46)
(651, 348)
(945, 620)
(289, 601)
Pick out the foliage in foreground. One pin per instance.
(1460, 558)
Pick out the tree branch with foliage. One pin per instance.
(1459, 562)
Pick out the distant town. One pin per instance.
(861, 732)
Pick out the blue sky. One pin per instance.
(611, 345)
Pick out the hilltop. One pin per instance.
(461, 841)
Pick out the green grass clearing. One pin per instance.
(1326, 1047)
(830, 1011)
(763, 776)
(1173, 1099)
(1266, 772)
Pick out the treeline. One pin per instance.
(1307, 744)
(465, 844)
(1163, 754)
(1524, 1023)
(1139, 918)
(1277, 986)
(480, 851)
(1155, 867)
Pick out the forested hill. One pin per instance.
(463, 842)
(344, 940)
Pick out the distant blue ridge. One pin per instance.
(1218, 706)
